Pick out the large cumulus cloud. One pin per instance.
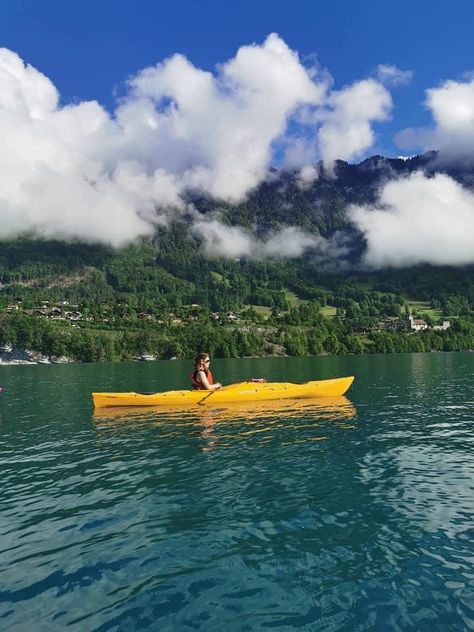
(79, 171)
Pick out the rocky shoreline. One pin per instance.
(11, 356)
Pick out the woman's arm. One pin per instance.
(202, 377)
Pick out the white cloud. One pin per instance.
(221, 240)
(418, 220)
(300, 152)
(452, 105)
(452, 108)
(221, 128)
(341, 127)
(25, 91)
(291, 242)
(307, 175)
(57, 173)
(391, 75)
(346, 130)
(77, 171)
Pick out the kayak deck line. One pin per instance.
(239, 392)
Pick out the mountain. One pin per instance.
(164, 297)
(321, 206)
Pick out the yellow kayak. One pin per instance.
(241, 392)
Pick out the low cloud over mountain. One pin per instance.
(77, 171)
(418, 219)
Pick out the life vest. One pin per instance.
(196, 383)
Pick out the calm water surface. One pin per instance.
(352, 514)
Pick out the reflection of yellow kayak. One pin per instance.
(320, 408)
(241, 392)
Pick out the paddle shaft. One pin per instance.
(230, 387)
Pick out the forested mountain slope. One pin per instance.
(164, 296)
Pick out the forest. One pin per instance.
(162, 298)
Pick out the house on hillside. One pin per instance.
(417, 324)
(41, 311)
(446, 325)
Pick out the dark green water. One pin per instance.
(354, 514)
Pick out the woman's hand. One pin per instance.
(217, 385)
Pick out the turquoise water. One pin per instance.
(352, 514)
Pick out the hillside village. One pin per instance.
(64, 311)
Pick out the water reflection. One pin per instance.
(327, 407)
(288, 421)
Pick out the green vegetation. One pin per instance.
(329, 311)
(425, 309)
(292, 298)
(164, 298)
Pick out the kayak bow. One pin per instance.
(240, 392)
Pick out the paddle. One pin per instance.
(223, 388)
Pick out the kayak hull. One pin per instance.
(241, 392)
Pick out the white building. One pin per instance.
(446, 325)
(417, 324)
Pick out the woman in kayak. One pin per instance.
(202, 377)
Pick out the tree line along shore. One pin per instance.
(119, 331)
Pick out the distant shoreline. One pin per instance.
(17, 356)
(7, 360)
(26, 357)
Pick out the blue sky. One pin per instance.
(89, 47)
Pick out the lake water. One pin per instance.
(350, 514)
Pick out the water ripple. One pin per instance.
(351, 515)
